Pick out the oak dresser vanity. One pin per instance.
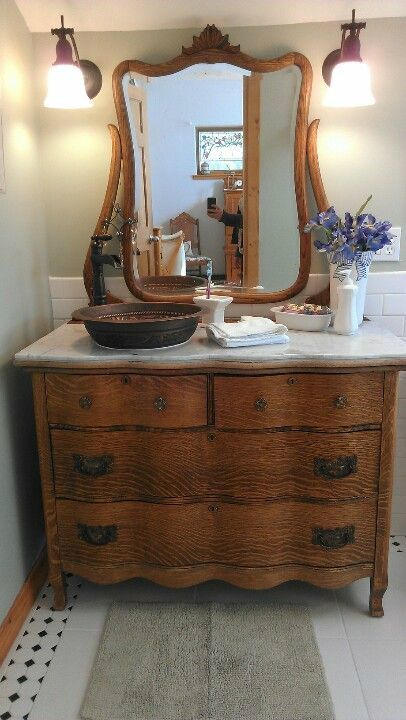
(252, 465)
(255, 465)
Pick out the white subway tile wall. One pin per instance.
(385, 303)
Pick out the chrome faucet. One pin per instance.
(98, 261)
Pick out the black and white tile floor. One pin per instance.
(348, 641)
(23, 671)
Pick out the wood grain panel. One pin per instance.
(284, 464)
(276, 533)
(257, 578)
(379, 581)
(56, 577)
(191, 464)
(106, 400)
(298, 399)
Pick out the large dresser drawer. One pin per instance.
(298, 400)
(100, 465)
(106, 400)
(268, 534)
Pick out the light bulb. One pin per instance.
(350, 85)
(66, 88)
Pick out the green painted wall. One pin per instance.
(24, 303)
(361, 150)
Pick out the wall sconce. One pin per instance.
(344, 71)
(71, 83)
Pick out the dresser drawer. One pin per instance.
(324, 466)
(105, 400)
(298, 400)
(267, 534)
(97, 465)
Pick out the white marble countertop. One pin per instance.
(70, 347)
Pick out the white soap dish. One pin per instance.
(213, 307)
(302, 321)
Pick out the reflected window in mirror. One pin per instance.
(219, 150)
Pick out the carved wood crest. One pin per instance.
(211, 38)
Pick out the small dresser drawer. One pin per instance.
(268, 534)
(144, 400)
(298, 400)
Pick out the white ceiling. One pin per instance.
(100, 15)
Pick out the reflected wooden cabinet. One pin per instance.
(186, 475)
(233, 260)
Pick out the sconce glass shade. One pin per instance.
(66, 88)
(350, 85)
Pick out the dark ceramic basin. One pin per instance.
(139, 325)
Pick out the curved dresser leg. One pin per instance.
(375, 599)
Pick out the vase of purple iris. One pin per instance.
(349, 242)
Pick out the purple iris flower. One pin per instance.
(344, 241)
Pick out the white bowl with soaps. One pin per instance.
(308, 317)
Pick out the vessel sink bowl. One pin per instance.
(139, 325)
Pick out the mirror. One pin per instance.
(215, 123)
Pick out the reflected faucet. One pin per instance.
(98, 261)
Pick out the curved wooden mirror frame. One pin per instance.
(212, 47)
(323, 297)
(106, 209)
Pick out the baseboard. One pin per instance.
(12, 623)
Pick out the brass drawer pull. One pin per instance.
(85, 402)
(339, 467)
(93, 466)
(341, 401)
(213, 508)
(97, 534)
(160, 404)
(211, 437)
(261, 404)
(334, 538)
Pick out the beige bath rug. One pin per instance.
(175, 661)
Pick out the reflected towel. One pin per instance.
(249, 331)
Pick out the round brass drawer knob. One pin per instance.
(341, 401)
(261, 404)
(213, 508)
(85, 402)
(160, 404)
(211, 437)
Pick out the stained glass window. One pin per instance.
(219, 149)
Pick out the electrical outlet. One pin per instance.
(390, 253)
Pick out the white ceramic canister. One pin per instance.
(361, 284)
(345, 320)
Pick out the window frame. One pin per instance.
(216, 128)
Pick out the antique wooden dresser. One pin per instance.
(253, 465)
